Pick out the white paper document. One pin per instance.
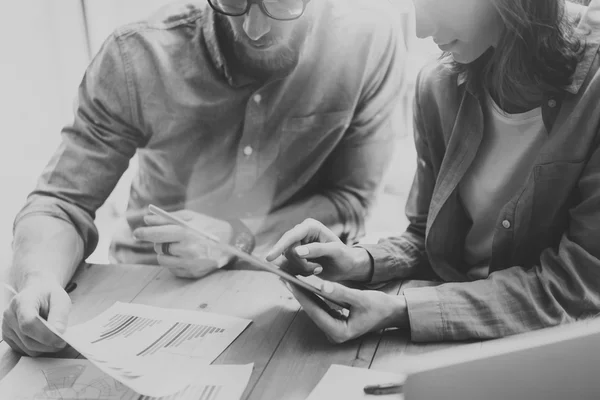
(154, 351)
(59, 379)
(341, 382)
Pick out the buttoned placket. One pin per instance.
(247, 155)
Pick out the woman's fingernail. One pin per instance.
(301, 251)
(59, 327)
(318, 270)
(327, 287)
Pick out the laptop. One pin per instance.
(555, 363)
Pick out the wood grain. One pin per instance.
(304, 356)
(395, 349)
(255, 295)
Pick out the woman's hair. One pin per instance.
(537, 53)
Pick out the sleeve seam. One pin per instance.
(127, 69)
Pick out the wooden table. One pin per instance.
(290, 354)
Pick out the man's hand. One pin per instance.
(369, 311)
(21, 328)
(187, 255)
(321, 253)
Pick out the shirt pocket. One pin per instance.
(311, 139)
(301, 146)
(555, 192)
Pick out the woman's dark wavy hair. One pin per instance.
(538, 53)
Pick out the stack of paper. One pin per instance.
(57, 379)
(154, 351)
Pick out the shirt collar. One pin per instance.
(209, 29)
(589, 29)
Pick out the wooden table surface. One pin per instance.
(290, 354)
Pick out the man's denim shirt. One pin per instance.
(545, 265)
(312, 143)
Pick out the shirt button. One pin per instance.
(257, 98)
(248, 151)
(551, 103)
(506, 224)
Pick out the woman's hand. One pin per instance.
(311, 248)
(369, 311)
(184, 253)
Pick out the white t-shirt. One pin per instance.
(503, 162)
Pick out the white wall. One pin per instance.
(106, 15)
(42, 58)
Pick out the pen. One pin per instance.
(385, 388)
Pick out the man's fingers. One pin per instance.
(187, 215)
(186, 268)
(27, 325)
(175, 262)
(27, 345)
(190, 249)
(154, 220)
(15, 343)
(58, 316)
(160, 234)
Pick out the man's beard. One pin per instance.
(280, 62)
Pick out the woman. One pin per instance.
(505, 204)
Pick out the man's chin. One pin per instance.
(274, 59)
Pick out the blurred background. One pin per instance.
(45, 46)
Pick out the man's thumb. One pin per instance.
(60, 306)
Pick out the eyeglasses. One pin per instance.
(282, 10)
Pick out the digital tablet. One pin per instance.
(257, 262)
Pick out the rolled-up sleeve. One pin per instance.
(95, 149)
(355, 169)
(563, 287)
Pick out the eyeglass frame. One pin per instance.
(261, 5)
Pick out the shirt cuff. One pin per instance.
(384, 263)
(84, 227)
(425, 314)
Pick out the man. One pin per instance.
(247, 117)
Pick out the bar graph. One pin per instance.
(178, 335)
(121, 325)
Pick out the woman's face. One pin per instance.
(464, 28)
